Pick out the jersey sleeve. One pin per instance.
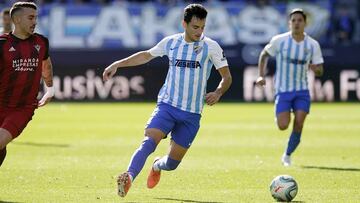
(160, 48)
(46, 56)
(217, 55)
(271, 47)
(317, 57)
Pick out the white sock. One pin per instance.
(155, 166)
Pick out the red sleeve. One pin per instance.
(46, 43)
(46, 56)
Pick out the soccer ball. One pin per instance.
(283, 188)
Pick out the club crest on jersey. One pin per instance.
(197, 49)
(37, 47)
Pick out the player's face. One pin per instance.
(297, 23)
(27, 20)
(6, 19)
(194, 29)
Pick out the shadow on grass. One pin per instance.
(41, 145)
(331, 168)
(1, 201)
(185, 200)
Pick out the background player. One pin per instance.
(294, 52)
(6, 20)
(24, 61)
(181, 98)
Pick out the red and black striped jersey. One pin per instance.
(20, 69)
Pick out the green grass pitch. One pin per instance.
(73, 153)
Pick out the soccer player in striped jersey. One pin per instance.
(295, 53)
(24, 60)
(181, 98)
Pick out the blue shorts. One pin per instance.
(183, 125)
(292, 101)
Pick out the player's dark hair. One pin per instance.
(18, 6)
(196, 10)
(5, 11)
(299, 11)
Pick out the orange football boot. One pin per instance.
(154, 176)
(124, 184)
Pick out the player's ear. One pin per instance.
(184, 24)
(15, 18)
(289, 23)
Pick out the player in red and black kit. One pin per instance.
(24, 60)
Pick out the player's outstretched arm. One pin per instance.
(47, 76)
(136, 59)
(263, 59)
(212, 98)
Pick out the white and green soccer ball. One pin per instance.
(283, 188)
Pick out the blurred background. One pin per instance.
(87, 35)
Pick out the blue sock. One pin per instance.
(139, 157)
(294, 141)
(166, 163)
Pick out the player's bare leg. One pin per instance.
(169, 162)
(155, 134)
(299, 121)
(5, 138)
(283, 120)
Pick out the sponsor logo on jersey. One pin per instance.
(27, 64)
(187, 64)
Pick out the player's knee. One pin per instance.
(283, 125)
(155, 134)
(172, 164)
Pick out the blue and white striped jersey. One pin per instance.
(292, 61)
(189, 69)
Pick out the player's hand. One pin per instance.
(49, 93)
(312, 67)
(109, 72)
(260, 82)
(318, 70)
(212, 98)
